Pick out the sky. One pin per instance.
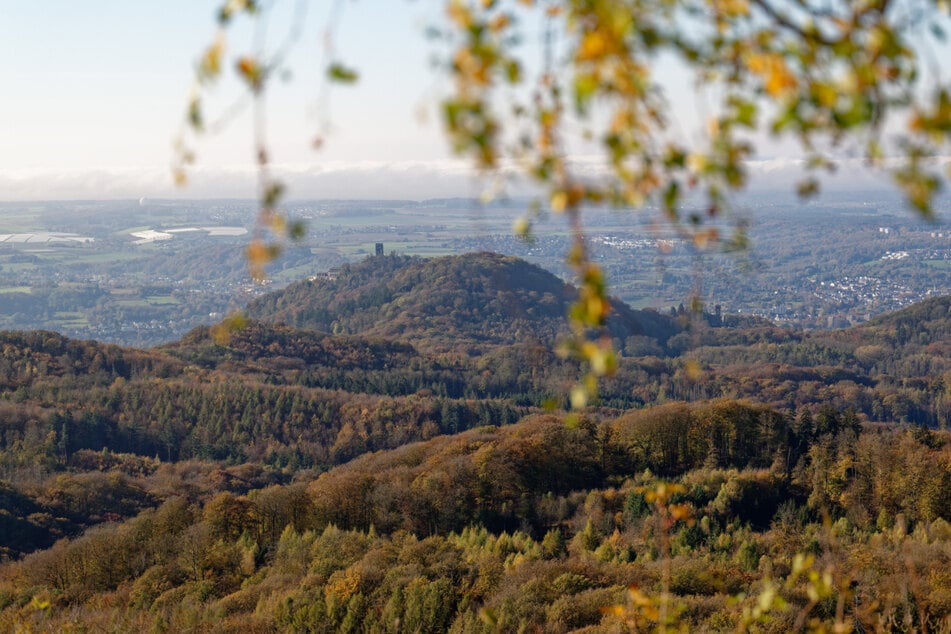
(94, 92)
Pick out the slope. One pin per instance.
(474, 299)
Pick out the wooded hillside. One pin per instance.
(291, 479)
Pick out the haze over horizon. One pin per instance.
(94, 116)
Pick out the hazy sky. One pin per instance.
(93, 95)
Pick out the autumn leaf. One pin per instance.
(251, 71)
(772, 68)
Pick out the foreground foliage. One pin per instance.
(533, 525)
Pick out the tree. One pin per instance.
(833, 76)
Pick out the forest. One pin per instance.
(378, 452)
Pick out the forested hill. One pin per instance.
(923, 323)
(403, 471)
(470, 299)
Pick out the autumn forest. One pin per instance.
(392, 450)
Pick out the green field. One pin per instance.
(19, 267)
(293, 274)
(18, 222)
(144, 302)
(162, 300)
(71, 319)
(99, 258)
(130, 230)
(644, 303)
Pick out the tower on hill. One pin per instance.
(379, 248)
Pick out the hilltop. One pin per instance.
(475, 299)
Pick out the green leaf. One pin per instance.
(585, 88)
(340, 73)
(513, 72)
(194, 114)
(745, 113)
(807, 188)
(272, 194)
(297, 229)
(671, 196)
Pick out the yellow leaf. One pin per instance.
(733, 8)
(705, 238)
(593, 45)
(680, 511)
(692, 370)
(251, 71)
(916, 123)
(578, 397)
(459, 14)
(825, 94)
(210, 66)
(772, 68)
(778, 80)
(522, 227)
(696, 162)
(499, 22)
(600, 363)
(258, 255)
(614, 610)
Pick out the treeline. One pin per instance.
(879, 369)
(102, 488)
(893, 369)
(42, 357)
(524, 374)
(536, 525)
(232, 421)
(896, 368)
(301, 399)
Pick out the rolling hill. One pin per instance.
(475, 299)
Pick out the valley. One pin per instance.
(105, 283)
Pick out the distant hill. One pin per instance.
(476, 298)
(922, 323)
